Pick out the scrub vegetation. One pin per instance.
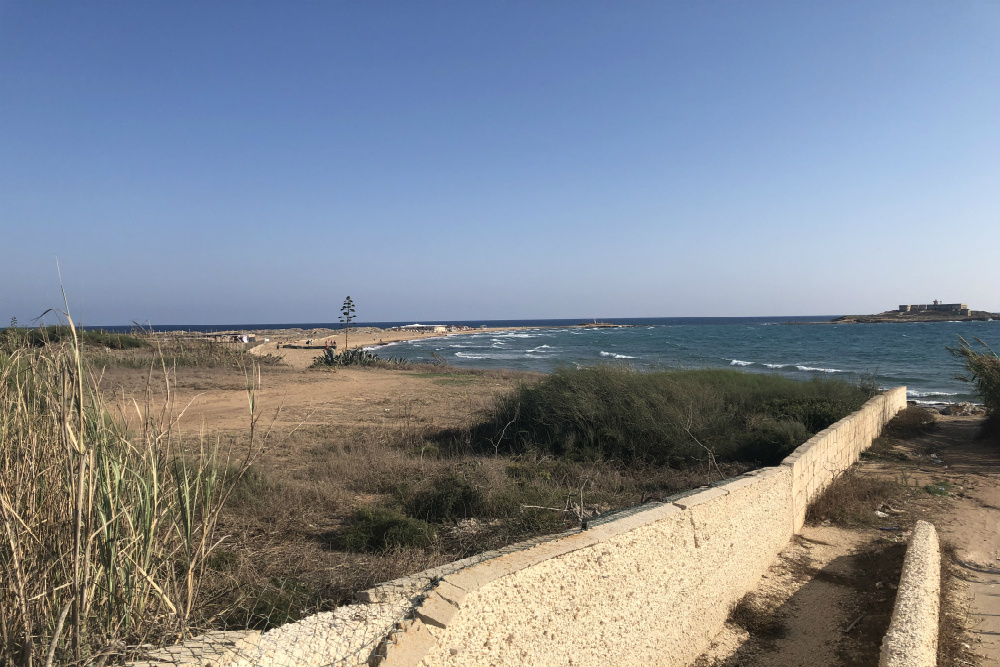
(120, 532)
(670, 418)
(983, 371)
(108, 522)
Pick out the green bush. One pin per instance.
(374, 529)
(910, 423)
(772, 441)
(448, 499)
(355, 357)
(814, 413)
(670, 417)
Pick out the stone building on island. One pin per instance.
(957, 308)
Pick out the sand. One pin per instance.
(317, 340)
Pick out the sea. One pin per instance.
(911, 354)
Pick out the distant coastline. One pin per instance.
(900, 317)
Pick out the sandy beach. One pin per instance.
(308, 344)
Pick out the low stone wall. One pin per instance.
(651, 585)
(652, 588)
(831, 451)
(912, 638)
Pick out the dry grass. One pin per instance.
(287, 559)
(108, 522)
(912, 422)
(852, 500)
(178, 352)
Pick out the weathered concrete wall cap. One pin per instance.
(913, 632)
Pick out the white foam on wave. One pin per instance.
(775, 365)
(518, 335)
(488, 355)
(913, 393)
(919, 402)
(615, 356)
(739, 362)
(819, 370)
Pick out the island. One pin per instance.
(934, 312)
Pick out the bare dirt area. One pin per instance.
(339, 439)
(963, 473)
(827, 600)
(215, 399)
(367, 475)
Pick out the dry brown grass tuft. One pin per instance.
(853, 498)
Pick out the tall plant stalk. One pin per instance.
(108, 515)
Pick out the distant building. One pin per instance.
(957, 308)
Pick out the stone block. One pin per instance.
(436, 611)
(410, 646)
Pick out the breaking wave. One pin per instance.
(615, 356)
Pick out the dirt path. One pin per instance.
(827, 599)
(970, 473)
(813, 607)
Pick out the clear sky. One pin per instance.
(225, 162)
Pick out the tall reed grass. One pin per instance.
(108, 517)
(984, 373)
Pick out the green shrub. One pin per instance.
(814, 413)
(910, 423)
(771, 441)
(374, 529)
(355, 357)
(448, 499)
(671, 417)
(984, 373)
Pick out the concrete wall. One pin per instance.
(831, 451)
(651, 588)
(913, 633)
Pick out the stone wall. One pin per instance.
(913, 633)
(831, 451)
(651, 585)
(651, 588)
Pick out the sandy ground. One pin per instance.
(364, 337)
(971, 521)
(215, 400)
(816, 587)
(813, 610)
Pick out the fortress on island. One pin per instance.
(957, 308)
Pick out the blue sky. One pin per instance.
(256, 162)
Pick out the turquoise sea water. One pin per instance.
(911, 354)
